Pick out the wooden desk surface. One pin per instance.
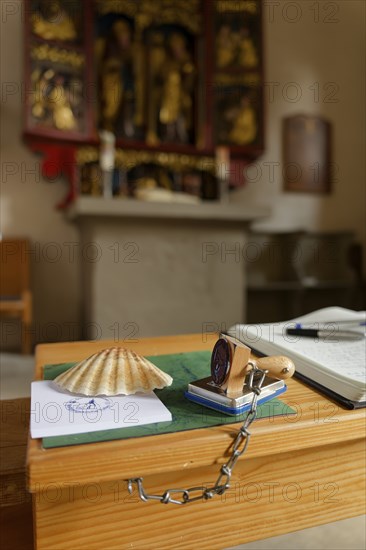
(319, 449)
(15, 501)
(318, 421)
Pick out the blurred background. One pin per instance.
(205, 161)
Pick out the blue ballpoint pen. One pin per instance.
(326, 334)
(338, 323)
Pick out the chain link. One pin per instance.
(254, 383)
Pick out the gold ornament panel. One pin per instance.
(57, 20)
(172, 80)
(156, 12)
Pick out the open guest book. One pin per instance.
(331, 364)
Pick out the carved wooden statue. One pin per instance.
(171, 116)
(117, 80)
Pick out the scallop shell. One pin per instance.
(113, 371)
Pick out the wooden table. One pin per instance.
(299, 471)
(15, 501)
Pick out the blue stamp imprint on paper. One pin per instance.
(88, 404)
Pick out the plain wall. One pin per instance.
(314, 68)
(303, 50)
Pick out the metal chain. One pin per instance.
(255, 382)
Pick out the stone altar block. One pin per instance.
(153, 269)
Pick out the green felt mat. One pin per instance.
(184, 368)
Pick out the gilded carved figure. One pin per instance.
(52, 22)
(244, 123)
(54, 101)
(225, 47)
(171, 115)
(235, 48)
(117, 79)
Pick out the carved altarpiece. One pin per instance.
(172, 79)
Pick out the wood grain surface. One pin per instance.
(14, 418)
(269, 496)
(300, 471)
(15, 500)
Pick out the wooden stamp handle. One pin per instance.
(278, 366)
(238, 370)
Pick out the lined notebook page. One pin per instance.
(344, 360)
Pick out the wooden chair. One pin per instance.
(15, 294)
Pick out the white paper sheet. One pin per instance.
(55, 412)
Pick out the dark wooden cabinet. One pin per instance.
(293, 273)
